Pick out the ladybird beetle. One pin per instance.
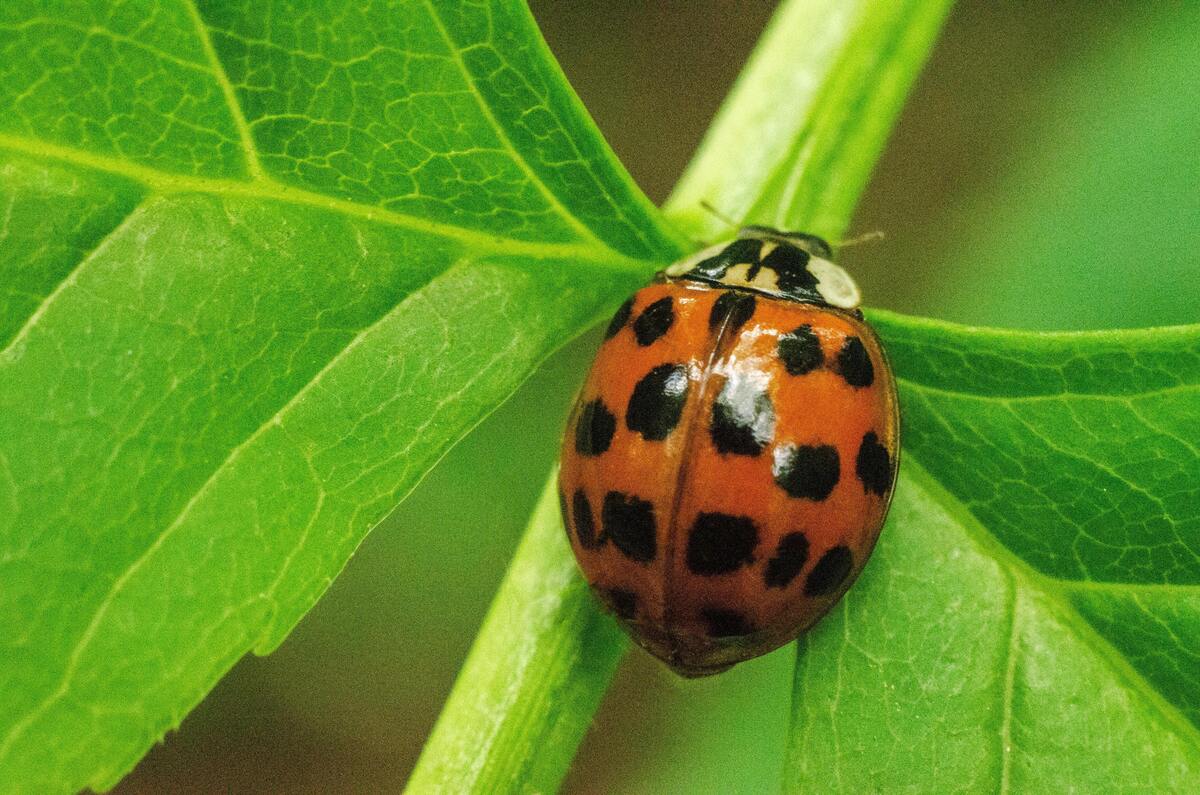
(730, 459)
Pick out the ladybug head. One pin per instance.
(792, 265)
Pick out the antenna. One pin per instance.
(720, 216)
(866, 237)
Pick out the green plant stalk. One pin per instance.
(533, 679)
(545, 655)
(795, 142)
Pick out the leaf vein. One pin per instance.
(167, 183)
(1006, 699)
(1118, 398)
(68, 280)
(1157, 428)
(486, 109)
(73, 660)
(249, 151)
(1025, 576)
(1037, 433)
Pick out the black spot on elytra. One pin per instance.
(720, 544)
(654, 321)
(622, 602)
(807, 471)
(829, 573)
(874, 465)
(619, 319)
(743, 419)
(790, 557)
(794, 278)
(725, 623)
(800, 351)
(585, 523)
(854, 363)
(737, 252)
(629, 523)
(731, 309)
(657, 402)
(594, 429)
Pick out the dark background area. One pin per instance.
(1044, 175)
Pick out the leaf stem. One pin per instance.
(797, 138)
(533, 678)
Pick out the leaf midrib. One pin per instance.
(167, 183)
(1054, 591)
(260, 185)
(1006, 696)
(934, 332)
(1122, 397)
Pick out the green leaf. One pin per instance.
(259, 269)
(1031, 619)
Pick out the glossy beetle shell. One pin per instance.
(727, 468)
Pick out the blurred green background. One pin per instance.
(1044, 175)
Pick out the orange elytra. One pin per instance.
(729, 463)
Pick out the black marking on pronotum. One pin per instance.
(657, 402)
(594, 429)
(745, 250)
(720, 543)
(793, 276)
(807, 471)
(830, 572)
(654, 321)
(629, 523)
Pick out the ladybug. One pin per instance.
(730, 459)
